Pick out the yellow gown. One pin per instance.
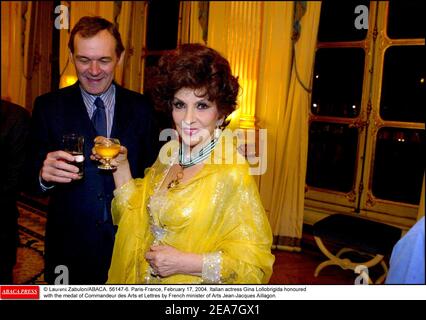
(217, 214)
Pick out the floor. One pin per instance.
(298, 268)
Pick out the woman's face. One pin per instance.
(195, 117)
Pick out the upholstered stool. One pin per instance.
(353, 234)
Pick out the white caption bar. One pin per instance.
(232, 292)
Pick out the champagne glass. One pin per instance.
(107, 148)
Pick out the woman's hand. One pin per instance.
(121, 158)
(166, 261)
(122, 174)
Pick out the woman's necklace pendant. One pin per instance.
(173, 184)
(176, 181)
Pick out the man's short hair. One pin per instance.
(88, 27)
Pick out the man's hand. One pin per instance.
(56, 170)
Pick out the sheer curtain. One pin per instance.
(257, 39)
(13, 83)
(282, 108)
(25, 50)
(132, 27)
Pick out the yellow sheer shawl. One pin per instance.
(218, 211)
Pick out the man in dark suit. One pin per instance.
(14, 122)
(79, 231)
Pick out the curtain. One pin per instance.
(288, 145)
(256, 37)
(25, 50)
(13, 24)
(132, 27)
(195, 15)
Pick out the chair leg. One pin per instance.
(346, 263)
(343, 251)
(382, 278)
(333, 260)
(322, 265)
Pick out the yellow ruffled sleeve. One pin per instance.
(128, 212)
(121, 200)
(244, 252)
(130, 195)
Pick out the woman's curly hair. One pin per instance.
(197, 67)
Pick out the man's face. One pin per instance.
(95, 61)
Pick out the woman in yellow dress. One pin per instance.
(196, 216)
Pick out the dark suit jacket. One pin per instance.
(14, 124)
(77, 235)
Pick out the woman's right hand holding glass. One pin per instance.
(117, 161)
(122, 173)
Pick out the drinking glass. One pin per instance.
(74, 145)
(107, 149)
